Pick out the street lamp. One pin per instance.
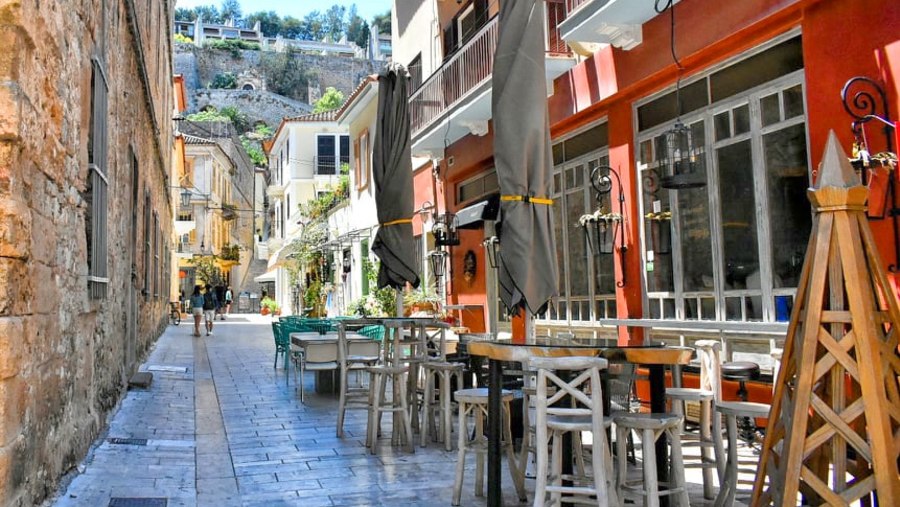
(185, 197)
(679, 162)
(608, 227)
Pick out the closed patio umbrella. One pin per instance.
(392, 173)
(528, 273)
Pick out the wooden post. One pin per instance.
(836, 408)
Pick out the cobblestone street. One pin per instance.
(222, 428)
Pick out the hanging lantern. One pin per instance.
(605, 234)
(346, 262)
(185, 198)
(445, 230)
(437, 262)
(680, 160)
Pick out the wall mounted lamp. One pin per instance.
(607, 227)
(438, 258)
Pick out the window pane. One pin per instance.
(690, 308)
(793, 101)
(733, 308)
(739, 245)
(741, 119)
(560, 245)
(777, 61)
(770, 110)
(586, 142)
(723, 125)
(693, 217)
(657, 231)
(578, 279)
(654, 309)
(693, 96)
(708, 308)
(789, 213)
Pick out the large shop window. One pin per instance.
(733, 249)
(586, 277)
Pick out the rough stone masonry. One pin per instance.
(65, 356)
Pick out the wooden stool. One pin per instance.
(651, 427)
(442, 372)
(476, 400)
(742, 371)
(710, 440)
(556, 415)
(732, 410)
(397, 404)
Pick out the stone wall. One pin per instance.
(65, 357)
(201, 65)
(258, 105)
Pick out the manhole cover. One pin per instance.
(128, 441)
(137, 502)
(173, 369)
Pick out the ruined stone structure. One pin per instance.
(85, 222)
(201, 65)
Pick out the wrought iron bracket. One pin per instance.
(602, 183)
(864, 100)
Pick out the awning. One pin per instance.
(280, 257)
(265, 277)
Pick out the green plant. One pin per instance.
(224, 80)
(237, 117)
(313, 295)
(330, 100)
(206, 270)
(233, 46)
(208, 115)
(285, 74)
(257, 156)
(231, 252)
(420, 296)
(270, 304)
(183, 39)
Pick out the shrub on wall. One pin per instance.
(224, 81)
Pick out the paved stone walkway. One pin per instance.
(221, 427)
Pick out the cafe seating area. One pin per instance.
(568, 433)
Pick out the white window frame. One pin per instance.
(755, 134)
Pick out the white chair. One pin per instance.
(555, 415)
(354, 356)
(318, 356)
(710, 438)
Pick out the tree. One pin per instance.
(291, 27)
(357, 29)
(334, 22)
(331, 100)
(206, 270)
(269, 22)
(314, 26)
(208, 13)
(383, 22)
(284, 75)
(231, 9)
(236, 117)
(184, 14)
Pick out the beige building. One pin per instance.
(85, 221)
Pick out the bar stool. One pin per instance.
(710, 439)
(732, 410)
(475, 401)
(651, 427)
(742, 371)
(556, 416)
(396, 404)
(355, 356)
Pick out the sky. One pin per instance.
(298, 8)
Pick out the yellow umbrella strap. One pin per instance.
(397, 222)
(527, 198)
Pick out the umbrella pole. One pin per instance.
(490, 282)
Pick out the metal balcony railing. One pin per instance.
(573, 5)
(472, 65)
(329, 165)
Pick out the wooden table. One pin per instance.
(655, 357)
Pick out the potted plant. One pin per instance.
(420, 300)
(268, 305)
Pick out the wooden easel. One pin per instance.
(834, 427)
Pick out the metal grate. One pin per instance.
(137, 502)
(128, 441)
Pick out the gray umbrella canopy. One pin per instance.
(529, 272)
(392, 172)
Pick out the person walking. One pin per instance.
(220, 301)
(210, 303)
(197, 308)
(229, 296)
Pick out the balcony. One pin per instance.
(615, 22)
(184, 224)
(329, 165)
(184, 251)
(456, 99)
